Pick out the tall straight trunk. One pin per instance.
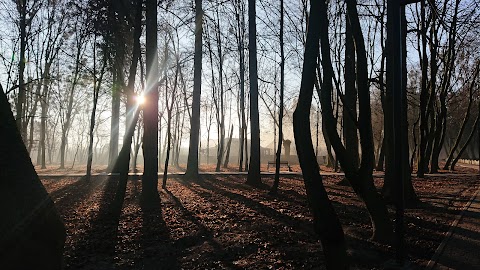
(22, 10)
(227, 151)
(254, 167)
(150, 111)
(168, 149)
(221, 120)
(66, 127)
(433, 88)
(381, 156)
(192, 163)
(115, 119)
(325, 220)
(169, 104)
(330, 158)
(280, 112)
(423, 98)
(32, 118)
(381, 83)
(239, 14)
(43, 124)
(390, 186)
(350, 99)
(33, 234)
(444, 86)
(96, 91)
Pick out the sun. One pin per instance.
(140, 99)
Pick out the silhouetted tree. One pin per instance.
(361, 179)
(254, 167)
(192, 163)
(280, 112)
(150, 111)
(33, 234)
(325, 221)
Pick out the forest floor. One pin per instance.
(218, 222)
(97, 169)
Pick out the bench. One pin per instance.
(282, 163)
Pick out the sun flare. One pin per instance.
(140, 99)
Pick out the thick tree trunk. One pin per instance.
(389, 189)
(350, 99)
(33, 234)
(253, 178)
(150, 111)
(192, 163)
(361, 180)
(325, 220)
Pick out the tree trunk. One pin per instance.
(276, 182)
(114, 120)
(192, 163)
(150, 111)
(254, 167)
(444, 86)
(469, 139)
(22, 10)
(33, 233)
(350, 99)
(325, 220)
(361, 180)
(465, 119)
(389, 190)
(423, 98)
(227, 152)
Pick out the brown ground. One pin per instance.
(219, 222)
(79, 169)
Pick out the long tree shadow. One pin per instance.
(156, 244)
(66, 190)
(98, 244)
(204, 234)
(357, 224)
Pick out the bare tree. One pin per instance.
(150, 111)
(192, 163)
(325, 221)
(254, 168)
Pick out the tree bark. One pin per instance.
(361, 180)
(350, 99)
(192, 163)
(150, 111)
(22, 10)
(465, 119)
(325, 221)
(33, 233)
(227, 151)
(254, 177)
(469, 139)
(276, 181)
